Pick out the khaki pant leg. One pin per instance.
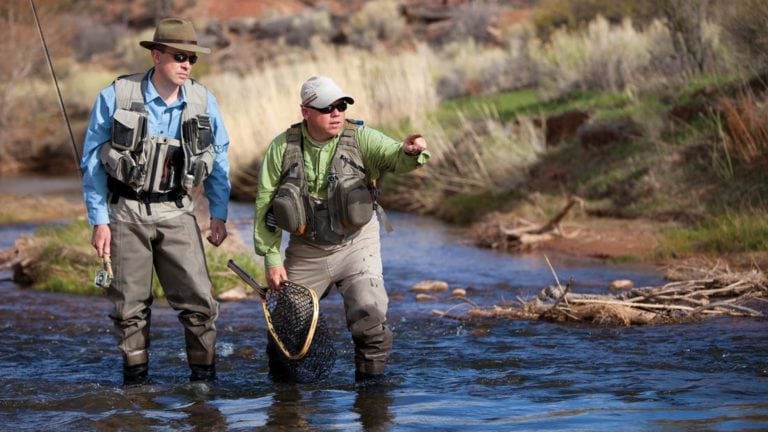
(358, 271)
(307, 265)
(131, 289)
(183, 273)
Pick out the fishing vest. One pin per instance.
(151, 168)
(351, 194)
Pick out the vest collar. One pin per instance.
(150, 92)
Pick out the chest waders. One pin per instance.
(149, 168)
(351, 195)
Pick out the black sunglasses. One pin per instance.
(181, 57)
(341, 106)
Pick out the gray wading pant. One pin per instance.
(355, 268)
(168, 240)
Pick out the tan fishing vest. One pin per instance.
(151, 165)
(350, 203)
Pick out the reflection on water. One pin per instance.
(61, 371)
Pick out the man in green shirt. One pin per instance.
(317, 182)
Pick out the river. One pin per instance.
(60, 370)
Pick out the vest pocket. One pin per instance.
(197, 133)
(121, 166)
(288, 209)
(352, 204)
(128, 129)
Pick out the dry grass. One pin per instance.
(746, 128)
(602, 57)
(258, 106)
(479, 154)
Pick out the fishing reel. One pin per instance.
(104, 276)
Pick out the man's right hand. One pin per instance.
(275, 275)
(101, 238)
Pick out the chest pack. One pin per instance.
(350, 202)
(153, 168)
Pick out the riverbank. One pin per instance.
(38, 200)
(614, 240)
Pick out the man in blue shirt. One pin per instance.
(152, 139)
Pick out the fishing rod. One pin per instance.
(58, 91)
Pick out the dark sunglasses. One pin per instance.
(341, 106)
(181, 57)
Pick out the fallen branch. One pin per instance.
(721, 294)
(526, 236)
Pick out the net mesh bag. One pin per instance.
(307, 353)
(299, 344)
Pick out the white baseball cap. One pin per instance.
(321, 91)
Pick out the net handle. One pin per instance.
(262, 291)
(247, 278)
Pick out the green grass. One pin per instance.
(509, 103)
(529, 102)
(727, 233)
(64, 261)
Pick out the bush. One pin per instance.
(746, 28)
(298, 29)
(601, 57)
(377, 21)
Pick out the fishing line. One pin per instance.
(58, 91)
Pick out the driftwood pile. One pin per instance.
(719, 293)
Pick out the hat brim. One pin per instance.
(324, 102)
(181, 47)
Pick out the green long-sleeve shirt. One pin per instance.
(380, 154)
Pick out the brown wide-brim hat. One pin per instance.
(176, 33)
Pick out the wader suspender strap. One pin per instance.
(293, 170)
(293, 159)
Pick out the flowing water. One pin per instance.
(59, 368)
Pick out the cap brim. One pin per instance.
(180, 47)
(324, 102)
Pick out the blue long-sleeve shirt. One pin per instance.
(163, 120)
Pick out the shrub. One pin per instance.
(601, 57)
(298, 29)
(746, 28)
(466, 68)
(377, 21)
